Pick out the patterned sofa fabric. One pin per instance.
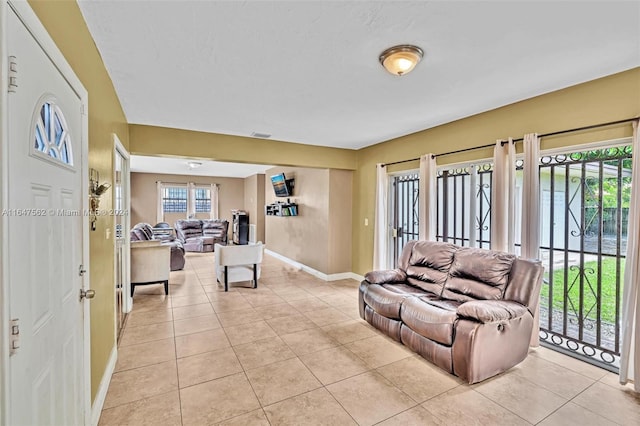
(143, 232)
(469, 311)
(201, 235)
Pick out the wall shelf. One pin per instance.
(281, 209)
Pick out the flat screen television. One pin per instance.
(281, 185)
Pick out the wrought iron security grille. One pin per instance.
(584, 200)
(174, 200)
(464, 205)
(405, 212)
(203, 200)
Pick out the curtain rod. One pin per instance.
(444, 153)
(187, 183)
(579, 129)
(545, 135)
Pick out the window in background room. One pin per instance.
(202, 200)
(174, 199)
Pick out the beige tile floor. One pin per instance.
(295, 352)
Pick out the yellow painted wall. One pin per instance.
(611, 98)
(64, 22)
(254, 202)
(163, 141)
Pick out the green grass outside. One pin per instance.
(607, 291)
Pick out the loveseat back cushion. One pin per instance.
(216, 228)
(408, 290)
(138, 235)
(478, 274)
(429, 263)
(405, 255)
(146, 229)
(189, 228)
(525, 281)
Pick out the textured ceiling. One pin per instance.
(308, 71)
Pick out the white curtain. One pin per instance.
(214, 201)
(191, 200)
(630, 353)
(380, 234)
(428, 198)
(473, 205)
(159, 210)
(503, 196)
(531, 213)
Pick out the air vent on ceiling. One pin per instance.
(261, 135)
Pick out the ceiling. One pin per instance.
(308, 71)
(178, 166)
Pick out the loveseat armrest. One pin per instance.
(488, 311)
(386, 276)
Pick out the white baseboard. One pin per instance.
(101, 395)
(315, 273)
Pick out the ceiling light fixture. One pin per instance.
(260, 135)
(400, 60)
(193, 164)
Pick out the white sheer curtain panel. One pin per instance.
(630, 351)
(503, 196)
(427, 195)
(159, 209)
(214, 201)
(531, 213)
(380, 234)
(191, 200)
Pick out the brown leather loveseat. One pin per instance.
(202, 235)
(469, 311)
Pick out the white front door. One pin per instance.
(45, 225)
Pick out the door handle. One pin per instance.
(87, 294)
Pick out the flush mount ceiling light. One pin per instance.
(400, 60)
(193, 164)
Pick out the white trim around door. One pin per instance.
(40, 34)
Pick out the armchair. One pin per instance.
(149, 264)
(238, 263)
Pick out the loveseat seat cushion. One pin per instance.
(384, 302)
(429, 264)
(487, 311)
(408, 290)
(430, 319)
(478, 274)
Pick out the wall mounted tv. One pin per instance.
(282, 186)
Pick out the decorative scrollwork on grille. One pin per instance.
(612, 153)
(460, 171)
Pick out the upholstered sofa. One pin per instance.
(201, 235)
(144, 232)
(469, 311)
